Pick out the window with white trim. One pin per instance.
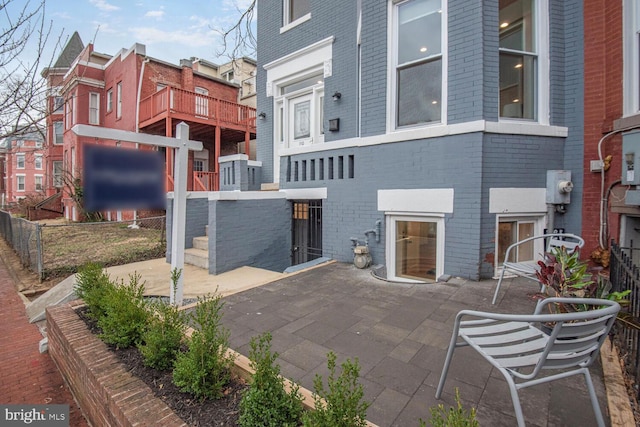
(57, 173)
(299, 109)
(417, 62)
(58, 131)
(20, 182)
(523, 45)
(631, 55)
(38, 182)
(20, 161)
(58, 104)
(119, 100)
(295, 9)
(94, 108)
(512, 229)
(68, 114)
(109, 100)
(37, 161)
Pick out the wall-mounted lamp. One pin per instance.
(262, 115)
(336, 96)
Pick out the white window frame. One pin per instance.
(202, 102)
(94, 108)
(119, 100)
(37, 178)
(21, 177)
(538, 221)
(38, 161)
(392, 91)
(541, 40)
(21, 158)
(55, 135)
(58, 104)
(57, 177)
(286, 23)
(631, 57)
(39, 144)
(110, 100)
(67, 113)
(391, 219)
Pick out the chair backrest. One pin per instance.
(567, 240)
(576, 337)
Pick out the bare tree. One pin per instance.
(24, 32)
(239, 40)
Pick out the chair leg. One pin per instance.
(447, 363)
(515, 398)
(594, 398)
(495, 294)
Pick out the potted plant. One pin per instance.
(562, 274)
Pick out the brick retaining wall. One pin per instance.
(106, 392)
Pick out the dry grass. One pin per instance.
(68, 247)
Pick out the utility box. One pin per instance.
(559, 187)
(630, 158)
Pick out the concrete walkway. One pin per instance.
(26, 375)
(399, 333)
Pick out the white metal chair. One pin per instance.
(515, 346)
(527, 269)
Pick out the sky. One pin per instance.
(170, 29)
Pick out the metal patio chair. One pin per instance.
(516, 346)
(527, 269)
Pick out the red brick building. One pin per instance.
(612, 117)
(23, 165)
(133, 92)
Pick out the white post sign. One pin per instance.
(182, 144)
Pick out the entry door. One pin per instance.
(307, 231)
(202, 102)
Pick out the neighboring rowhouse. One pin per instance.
(133, 92)
(434, 132)
(23, 159)
(612, 127)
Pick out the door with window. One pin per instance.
(306, 231)
(202, 102)
(515, 229)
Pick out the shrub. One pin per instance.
(126, 314)
(340, 405)
(162, 338)
(204, 369)
(266, 402)
(454, 417)
(92, 285)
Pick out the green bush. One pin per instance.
(204, 369)
(341, 404)
(92, 284)
(162, 338)
(266, 403)
(126, 314)
(453, 417)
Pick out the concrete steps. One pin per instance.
(198, 255)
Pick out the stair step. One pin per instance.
(201, 242)
(197, 257)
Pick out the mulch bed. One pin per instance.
(194, 412)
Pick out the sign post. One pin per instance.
(182, 144)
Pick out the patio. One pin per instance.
(399, 333)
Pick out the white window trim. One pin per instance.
(35, 161)
(54, 132)
(119, 100)
(541, 9)
(24, 161)
(96, 96)
(392, 40)
(539, 222)
(286, 25)
(390, 250)
(24, 182)
(35, 182)
(110, 100)
(631, 58)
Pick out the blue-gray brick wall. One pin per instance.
(197, 217)
(254, 233)
(471, 163)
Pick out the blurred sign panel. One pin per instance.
(120, 178)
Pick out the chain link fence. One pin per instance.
(55, 249)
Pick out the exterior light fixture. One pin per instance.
(262, 115)
(336, 96)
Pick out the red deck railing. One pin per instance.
(203, 107)
(205, 181)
